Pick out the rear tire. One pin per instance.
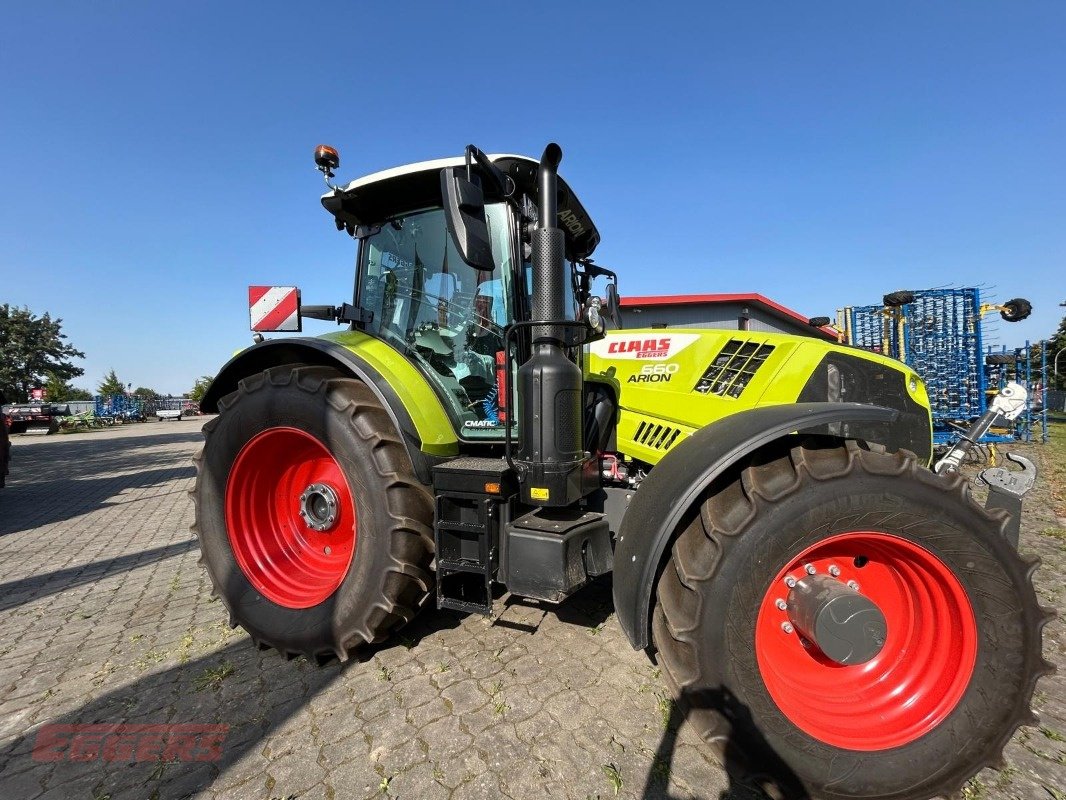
(311, 596)
(773, 705)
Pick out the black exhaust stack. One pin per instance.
(551, 459)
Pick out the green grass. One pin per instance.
(212, 677)
(1055, 451)
(614, 777)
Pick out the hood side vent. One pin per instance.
(734, 367)
(655, 436)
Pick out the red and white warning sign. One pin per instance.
(274, 308)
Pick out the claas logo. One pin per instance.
(642, 348)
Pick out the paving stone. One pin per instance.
(355, 779)
(106, 620)
(295, 773)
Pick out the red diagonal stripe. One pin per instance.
(282, 311)
(255, 294)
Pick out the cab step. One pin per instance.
(470, 495)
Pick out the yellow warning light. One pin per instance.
(492, 488)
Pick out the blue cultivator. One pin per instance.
(937, 332)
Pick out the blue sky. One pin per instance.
(156, 158)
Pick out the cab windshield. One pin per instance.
(446, 315)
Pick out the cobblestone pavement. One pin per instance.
(105, 617)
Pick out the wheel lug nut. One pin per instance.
(810, 569)
(834, 570)
(853, 585)
(790, 581)
(787, 627)
(327, 550)
(781, 604)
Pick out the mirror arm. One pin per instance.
(503, 184)
(345, 312)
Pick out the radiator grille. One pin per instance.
(732, 369)
(656, 436)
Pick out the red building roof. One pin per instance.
(749, 299)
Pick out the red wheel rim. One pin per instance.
(916, 679)
(283, 557)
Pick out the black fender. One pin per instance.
(677, 482)
(321, 352)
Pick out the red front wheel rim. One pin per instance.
(277, 475)
(917, 678)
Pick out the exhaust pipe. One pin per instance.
(549, 249)
(551, 458)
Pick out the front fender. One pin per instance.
(684, 474)
(408, 399)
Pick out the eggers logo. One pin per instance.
(636, 346)
(123, 742)
(648, 348)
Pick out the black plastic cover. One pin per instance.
(841, 378)
(552, 554)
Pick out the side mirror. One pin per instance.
(614, 306)
(464, 208)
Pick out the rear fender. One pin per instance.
(679, 480)
(421, 420)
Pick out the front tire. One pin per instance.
(314, 529)
(957, 669)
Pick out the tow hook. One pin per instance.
(1006, 488)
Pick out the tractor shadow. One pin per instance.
(86, 455)
(754, 770)
(53, 481)
(26, 590)
(26, 505)
(252, 692)
(589, 608)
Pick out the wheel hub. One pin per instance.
(318, 507)
(291, 517)
(847, 627)
(819, 648)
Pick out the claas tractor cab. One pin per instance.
(816, 596)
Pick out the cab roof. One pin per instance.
(382, 195)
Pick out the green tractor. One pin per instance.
(840, 619)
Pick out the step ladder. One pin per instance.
(470, 495)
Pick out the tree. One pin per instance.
(145, 394)
(31, 347)
(199, 389)
(111, 385)
(60, 391)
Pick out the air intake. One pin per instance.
(657, 437)
(733, 368)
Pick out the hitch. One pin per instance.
(1006, 487)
